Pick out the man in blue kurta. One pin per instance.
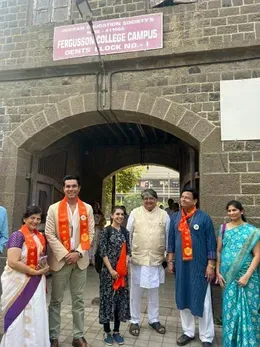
(3, 228)
(192, 248)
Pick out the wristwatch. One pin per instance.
(80, 254)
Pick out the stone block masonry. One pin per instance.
(26, 26)
(204, 43)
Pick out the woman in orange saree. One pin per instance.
(24, 286)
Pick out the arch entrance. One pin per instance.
(164, 180)
(72, 136)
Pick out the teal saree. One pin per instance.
(241, 305)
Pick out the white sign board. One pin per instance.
(240, 109)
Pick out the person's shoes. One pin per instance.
(54, 343)
(108, 339)
(183, 340)
(118, 339)
(157, 326)
(206, 344)
(80, 342)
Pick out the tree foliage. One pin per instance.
(132, 201)
(125, 181)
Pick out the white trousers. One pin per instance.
(206, 324)
(135, 303)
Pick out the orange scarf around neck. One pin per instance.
(64, 230)
(121, 269)
(186, 240)
(32, 253)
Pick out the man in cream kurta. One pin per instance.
(68, 265)
(148, 226)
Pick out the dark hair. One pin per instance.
(176, 206)
(170, 201)
(99, 211)
(30, 210)
(191, 190)
(124, 209)
(237, 204)
(71, 177)
(117, 208)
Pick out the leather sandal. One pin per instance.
(134, 329)
(157, 326)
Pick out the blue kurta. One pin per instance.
(191, 284)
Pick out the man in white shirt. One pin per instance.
(148, 226)
(69, 231)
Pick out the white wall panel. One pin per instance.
(240, 109)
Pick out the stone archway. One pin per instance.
(62, 118)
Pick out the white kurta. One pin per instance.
(147, 276)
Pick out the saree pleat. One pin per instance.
(241, 315)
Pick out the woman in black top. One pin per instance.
(114, 304)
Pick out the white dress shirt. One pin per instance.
(73, 227)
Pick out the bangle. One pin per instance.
(212, 266)
(170, 261)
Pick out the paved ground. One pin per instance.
(148, 338)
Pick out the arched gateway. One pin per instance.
(33, 136)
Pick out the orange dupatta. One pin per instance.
(63, 221)
(32, 254)
(121, 269)
(186, 240)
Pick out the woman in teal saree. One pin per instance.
(238, 274)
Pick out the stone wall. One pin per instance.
(204, 43)
(196, 87)
(205, 25)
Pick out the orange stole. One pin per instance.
(32, 254)
(121, 269)
(186, 241)
(63, 221)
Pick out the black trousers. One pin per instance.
(116, 323)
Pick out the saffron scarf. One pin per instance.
(186, 240)
(32, 254)
(121, 269)
(63, 221)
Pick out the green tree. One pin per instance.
(125, 181)
(132, 201)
